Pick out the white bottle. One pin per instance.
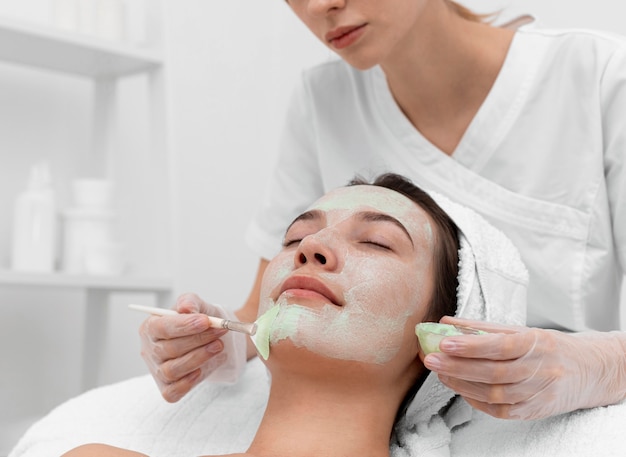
(34, 224)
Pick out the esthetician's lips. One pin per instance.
(342, 37)
(307, 286)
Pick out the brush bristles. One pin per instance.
(242, 327)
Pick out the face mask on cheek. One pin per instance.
(368, 328)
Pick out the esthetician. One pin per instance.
(526, 127)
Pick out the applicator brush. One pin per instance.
(249, 328)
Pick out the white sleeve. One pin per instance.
(613, 97)
(295, 182)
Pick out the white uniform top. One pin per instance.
(543, 160)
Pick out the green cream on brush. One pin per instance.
(261, 338)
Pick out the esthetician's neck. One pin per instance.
(454, 64)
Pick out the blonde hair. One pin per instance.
(468, 14)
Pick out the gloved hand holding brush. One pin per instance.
(183, 350)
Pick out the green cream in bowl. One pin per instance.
(430, 334)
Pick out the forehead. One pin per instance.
(344, 202)
(353, 198)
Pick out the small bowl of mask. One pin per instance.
(430, 334)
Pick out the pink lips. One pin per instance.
(306, 286)
(342, 37)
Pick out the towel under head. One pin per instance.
(492, 284)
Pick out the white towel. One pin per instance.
(492, 286)
(597, 432)
(211, 419)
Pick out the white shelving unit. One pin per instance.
(97, 290)
(54, 49)
(105, 64)
(119, 283)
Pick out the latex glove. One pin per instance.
(181, 351)
(528, 373)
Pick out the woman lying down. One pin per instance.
(356, 273)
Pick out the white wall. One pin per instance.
(600, 14)
(231, 66)
(231, 70)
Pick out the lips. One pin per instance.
(308, 286)
(346, 33)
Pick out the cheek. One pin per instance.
(384, 295)
(385, 287)
(278, 269)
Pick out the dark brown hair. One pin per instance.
(446, 252)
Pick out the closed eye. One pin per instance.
(305, 224)
(377, 244)
(288, 243)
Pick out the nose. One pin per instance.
(323, 7)
(315, 250)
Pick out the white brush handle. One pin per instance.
(217, 322)
(153, 310)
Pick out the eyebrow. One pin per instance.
(365, 216)
(373, 216)
(311, 215)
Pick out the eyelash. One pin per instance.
(287, 243)
(377, 244)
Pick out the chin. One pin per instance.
(360, 61)
(361, 64)
(288, 359)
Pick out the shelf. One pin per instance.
(57, 50)
(119, 283)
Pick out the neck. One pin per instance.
(316, 417)
(454, 63)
